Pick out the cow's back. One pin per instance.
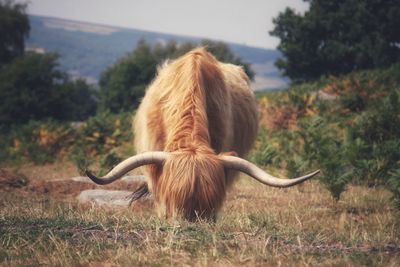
(230, 107)
(244, 109)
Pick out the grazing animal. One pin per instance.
(197, 119)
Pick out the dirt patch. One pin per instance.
(72, 188)
(55, 181)
(50, 171)
(11, 179)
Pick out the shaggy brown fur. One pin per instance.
(196, 108)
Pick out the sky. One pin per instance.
(241, 21)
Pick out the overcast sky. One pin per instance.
(241, 21)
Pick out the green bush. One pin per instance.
(265, 153)
(324, 149)
(33, 88)
(353, 139)
(37, 142)
(105, 131)
(394, 185)
(100, 139)
(45, 141)
(375, 138)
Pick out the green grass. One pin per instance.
(257, 226)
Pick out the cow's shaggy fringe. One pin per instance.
(196, 108)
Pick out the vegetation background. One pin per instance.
(341, 114)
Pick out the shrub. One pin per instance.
(101, 136)
(375, 137)
(38, 142)
(394, 185)
(265, 153)
(105, 131)
(33, 88)
(352, 138)
(323, 149)
(45, 141)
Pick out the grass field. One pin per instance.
(42, 224)
(257, 226)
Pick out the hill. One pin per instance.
(87, 49)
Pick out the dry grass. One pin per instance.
(258, 226)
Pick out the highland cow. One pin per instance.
(197, 120)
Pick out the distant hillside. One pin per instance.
(87, 49)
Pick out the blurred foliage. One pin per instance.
(36, 141)
(336, 37)
(346, 126)
(106, 131)
(33, 88)
(265, 153)
(322, 149)
(394, 185)
(14, 27)
(123, 84)
(102, 136)
(46, 141)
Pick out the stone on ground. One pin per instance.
(105, 197)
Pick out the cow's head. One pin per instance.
(193, 184)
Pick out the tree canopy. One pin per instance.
(123, 84)
(32, 87)
(335, 37)
(14, 27)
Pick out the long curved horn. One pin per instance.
(252, 170)
(153, 157)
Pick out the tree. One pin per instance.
(33, 88)
(79, 100)
(335, 37)
(123, 84)
(14, 27)
(31, 85)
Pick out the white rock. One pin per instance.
(105, 197)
